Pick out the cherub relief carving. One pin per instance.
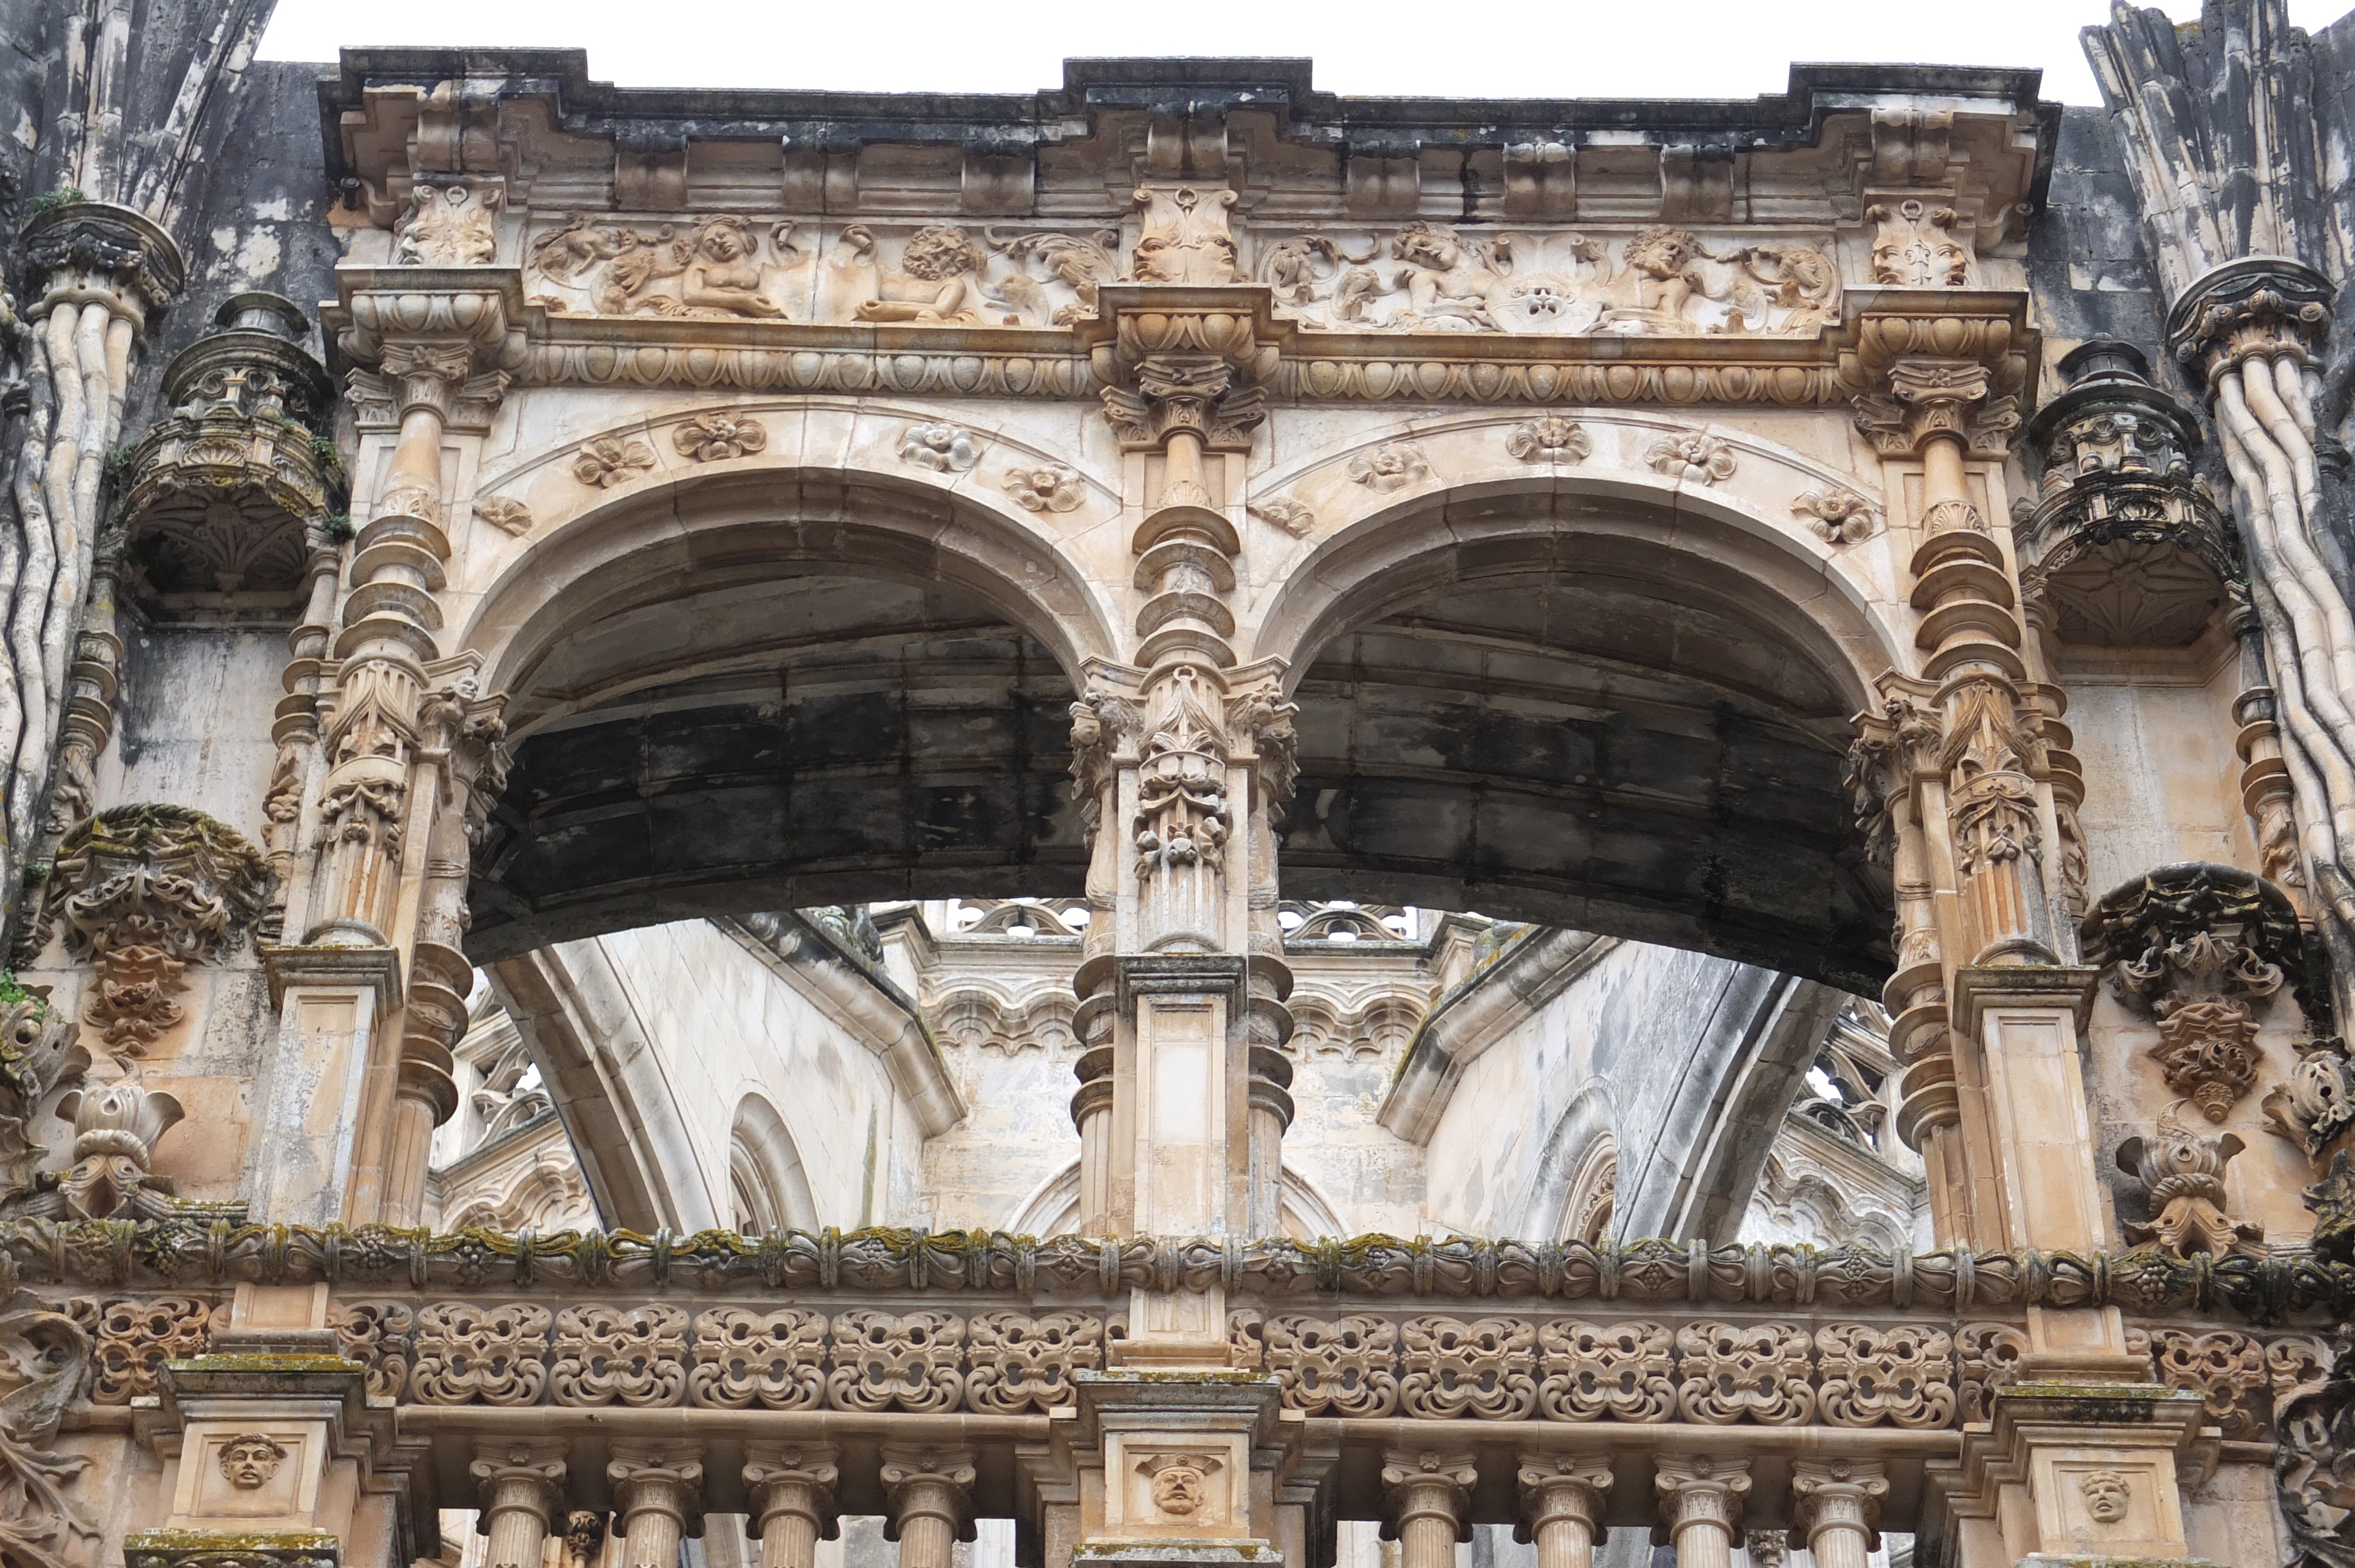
(1447, 279)
(1662, 281)
(713, 271)
(937, 281)
(1077, 263)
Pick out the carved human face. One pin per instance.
(2107, 1495)
(933, 254)
(722, 243)
(1660, 252)
(1433, 247)
(250, 1461)
(1179, 1489)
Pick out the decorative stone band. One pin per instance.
(557, 348)
(1710, 1369)
(1428, 1367)
(209, 1549)
(187, 1253)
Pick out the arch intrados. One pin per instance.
(662, 543)
(1386, 561)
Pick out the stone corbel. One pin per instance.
(2193, 948)
(143, 892)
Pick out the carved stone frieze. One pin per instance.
(182, 1251)
(144, 892)
(936, 281)
(2123, 543)
(1655, 280)
(2192, 947)
(715, 268)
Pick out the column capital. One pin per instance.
(94, 252)
(1699, 1488)
(2255, 305)
(1827, 1494)
(659, 1478)
(1425, 1483)
(1948, 364)
(1561, 1487)
(501, 1462)
(928, 1482)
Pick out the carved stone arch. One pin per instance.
(1047, 494)
(1577, 1173)
(708, 676)
(1052, 1208)
(1592, 701)
(1775, 497)
(766, 1183)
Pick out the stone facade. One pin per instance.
(1176, 821)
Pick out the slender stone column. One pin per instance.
(1838, 1503)
(1700, 1507)
(658, 1490)
(1429, 1496)
(97, 271)
(522, 1485)
(931, 1503)
(1561, 1507)
(791, 1493)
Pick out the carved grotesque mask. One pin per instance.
(2107, 1495)
(250, 1461)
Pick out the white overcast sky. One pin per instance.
(1499, 49)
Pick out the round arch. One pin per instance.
(769, 687)
(767, 1186)
(1592, 701)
